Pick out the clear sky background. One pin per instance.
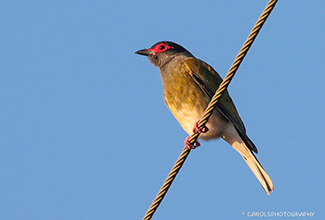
(85, 133)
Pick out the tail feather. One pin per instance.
(254, 165)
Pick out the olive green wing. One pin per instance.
(209, 80)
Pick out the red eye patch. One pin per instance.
(160, 48)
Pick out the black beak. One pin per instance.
(145, 52)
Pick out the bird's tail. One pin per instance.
(255, 165)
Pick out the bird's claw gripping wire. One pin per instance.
(198, 130)
(190, 146)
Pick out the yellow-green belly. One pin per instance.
(187, 102)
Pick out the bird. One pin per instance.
(188, 86)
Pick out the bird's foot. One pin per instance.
(199, 130)
(190, 146)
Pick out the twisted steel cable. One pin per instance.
(208, 112)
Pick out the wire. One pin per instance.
(207, 113)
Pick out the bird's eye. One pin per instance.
(160, 48)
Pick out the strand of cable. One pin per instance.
(223, 86)
(168, 182)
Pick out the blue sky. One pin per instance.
(85, 133)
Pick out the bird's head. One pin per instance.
(163, 52)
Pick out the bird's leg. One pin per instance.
(195, 129)
(199, 130)
(190, 146)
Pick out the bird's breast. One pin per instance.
(187, 102)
